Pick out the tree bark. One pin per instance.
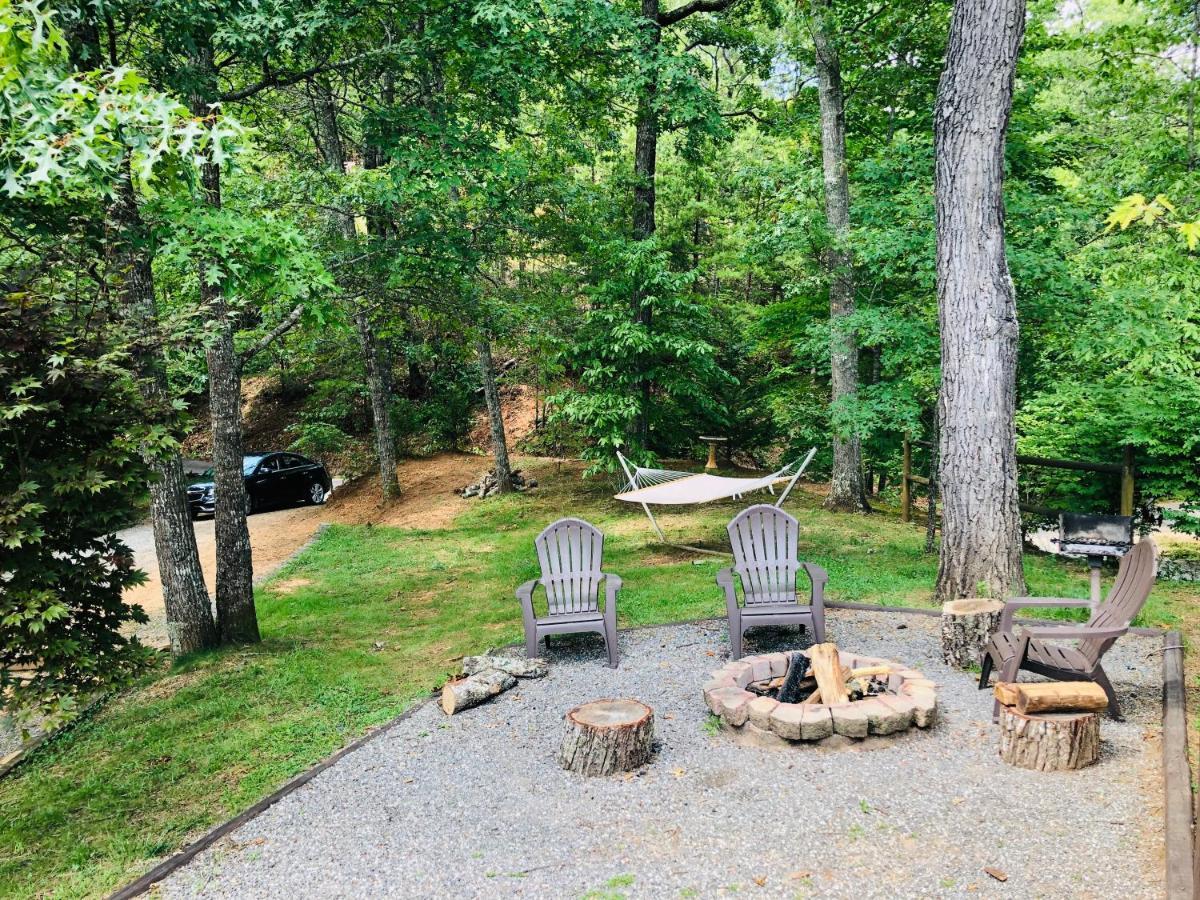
(190, 624)
(847, 493)
(236, 616)
(472, 690)
(977, 316)
(645, 164)
(379, 385)
(1054, 742)
(607, 736)
(967, 626)
(376, 364)
(491, 397)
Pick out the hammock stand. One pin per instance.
(668, 487)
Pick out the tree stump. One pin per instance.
(607, 736)
(1053, 742)
(967, 626)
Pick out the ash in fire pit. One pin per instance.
(817, 693)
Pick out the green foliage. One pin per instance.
(64, 129)
(72, 437)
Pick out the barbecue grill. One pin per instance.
(1096, 537)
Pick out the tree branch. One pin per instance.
(679, 13)
(288, 323)
(273, 80)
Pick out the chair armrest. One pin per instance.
(612, 582)
(725, 580)
(819, 578)
(1071, 632)
(525, 591)
(1012, 605)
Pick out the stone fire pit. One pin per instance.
(904, 698)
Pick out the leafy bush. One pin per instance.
(72, 431)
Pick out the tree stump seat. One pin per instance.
(967, 626)
(607, 736)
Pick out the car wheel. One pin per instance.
(251, 504)
(316, 493)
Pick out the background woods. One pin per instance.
(720, 217)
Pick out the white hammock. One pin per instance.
(667, 487)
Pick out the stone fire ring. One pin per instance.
(910, 699)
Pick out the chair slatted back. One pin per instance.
(1130, 590)
(571, 553)
(764, 541)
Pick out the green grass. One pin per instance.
(200, 740)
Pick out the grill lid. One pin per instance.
(1097, 534)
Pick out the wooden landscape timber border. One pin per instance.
(1182, 850)
(1125, 469)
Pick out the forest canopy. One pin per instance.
(377, 203)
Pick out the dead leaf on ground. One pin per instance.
(797, 876)
(760, 880)
(678, 773)
(998, 874)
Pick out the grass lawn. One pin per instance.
(356, 629)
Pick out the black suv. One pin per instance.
(272, 479)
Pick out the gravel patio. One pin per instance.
(476, 806)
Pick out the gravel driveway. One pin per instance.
(475, 805)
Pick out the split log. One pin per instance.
(1053, 742)
(1006, 692)
(607, 736)
(827, 669)
(517, 666)
(1055, 696)
(473, 690)
(967, 626)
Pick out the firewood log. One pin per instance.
(473, 690)
(517, 666)
(827, 669)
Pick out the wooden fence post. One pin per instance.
(1127, 482)
(906, 484)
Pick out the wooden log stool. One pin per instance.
(1050, 727)
(967, 626)
(607, 736)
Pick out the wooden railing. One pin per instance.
(1124, 468)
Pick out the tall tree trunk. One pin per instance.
(645, 164)
(491, 397)
(379, 385)
(236, 616)
(376, 365)
(846, 490)
(190, 624)
(977, 314)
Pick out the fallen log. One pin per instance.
(472, 690)
(517, 666)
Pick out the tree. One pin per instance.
(93, 124)
(977, 315)
(73, 431)
(652, 60)
(846, 490)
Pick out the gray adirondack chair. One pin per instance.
(764, 539)
(570, 552)
(1034, 649)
